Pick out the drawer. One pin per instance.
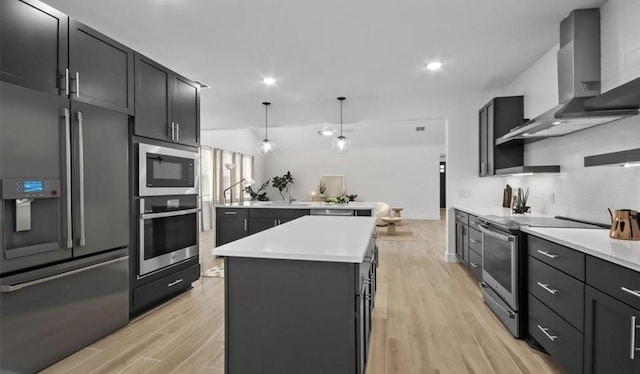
(474, 221)
(611, 279)
(232, 212)
(559, 338)
(560, 292)
(157, 291)
(475, 239)
(461, 216)
(558, 256)
(475, 265)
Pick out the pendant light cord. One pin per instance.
(341, 100)
(266, 105)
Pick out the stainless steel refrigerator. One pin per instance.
(64, 226)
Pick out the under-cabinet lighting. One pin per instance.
(631, 164)
(626, 158)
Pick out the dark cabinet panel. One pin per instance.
(475, 265)
(167, 105)
(462, 245)
(616, 281)
(186, 111)
(101, 69)
(560, 257)
(230, 229)
(558, 337)
(260, 224)
(496, 119)
(558, 291)
(33, 42)
(612, 344)
(152, 100)
(101, 201)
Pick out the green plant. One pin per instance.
(282, 183)
(258, 195)
(520, 200)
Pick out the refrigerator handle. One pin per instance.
(67, 137)
(16, 287)
(81, 177)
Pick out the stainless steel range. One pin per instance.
(503, 264)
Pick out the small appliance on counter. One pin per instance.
(625, 224)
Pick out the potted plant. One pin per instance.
(520, 202)
(258, 195)
(283, 183)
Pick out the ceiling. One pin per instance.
(322, 49)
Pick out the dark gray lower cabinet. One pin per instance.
(231, 224)
(287, 316)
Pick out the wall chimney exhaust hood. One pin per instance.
(578, 85)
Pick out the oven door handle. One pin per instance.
(490, 232)
(169, 214)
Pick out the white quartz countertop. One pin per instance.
(492, 211)
(300, 205)
(594, 242)
(311, 238)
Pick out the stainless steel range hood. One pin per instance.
(578, 81)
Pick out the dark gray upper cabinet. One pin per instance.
(167, 105)
(44, 50)
(33, 46)
(101, 69)
(496, 119)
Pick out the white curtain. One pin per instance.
(206, 187)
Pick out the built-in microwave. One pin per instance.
(166, 171)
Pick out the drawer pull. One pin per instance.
(546, 288)
(459, 216)
(546, 332)
(634, 293)
(231, 213)
(634, 327)
(547, 254)
(175, 282)
(474, 241)
(473, 265)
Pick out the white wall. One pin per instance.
(578, 191)
(240, 140)
(407, 177)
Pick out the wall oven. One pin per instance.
(166, 171)
(501, 269)
(168, 231)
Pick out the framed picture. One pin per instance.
(335, 185)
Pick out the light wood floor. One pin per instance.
(429, 318)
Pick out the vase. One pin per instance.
(521, 210)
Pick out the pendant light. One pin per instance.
(266, 146)
(341, 144)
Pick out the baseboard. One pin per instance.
(451, 257)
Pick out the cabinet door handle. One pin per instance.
(546, 332)
(474, 265)
(634, 293)
(275, 222)
(177, 131)
(81, 177)
(547, 254)
(77, 85)
(231, 213)
(474, 241)
(634, 328)
(546, 288)
(245, 224)
(459, 216)
(66, 82)
(172, 130)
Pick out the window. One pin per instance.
(232, 168)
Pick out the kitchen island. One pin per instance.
(299, 297)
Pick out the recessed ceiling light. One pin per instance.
(269, 81)
(435, 65)
(326, 131)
